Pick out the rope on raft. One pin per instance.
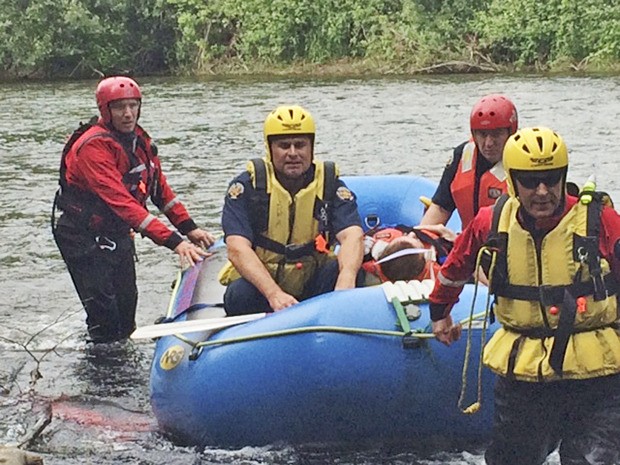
(311, 329)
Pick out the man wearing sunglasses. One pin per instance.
(554, 274)
(281, 218)
(474, 176)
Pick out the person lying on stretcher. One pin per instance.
(403, 253)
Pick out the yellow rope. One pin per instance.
(475, 407)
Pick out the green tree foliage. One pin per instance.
(535, 33)
(277, 30)
(410, 32)
(77, 37)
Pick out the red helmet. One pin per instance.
(115, 88)
(494, 111)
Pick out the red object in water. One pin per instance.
(103, 416)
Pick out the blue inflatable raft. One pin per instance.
(348, 366)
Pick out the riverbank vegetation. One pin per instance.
(85, 38)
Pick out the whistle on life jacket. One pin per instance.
(320, 244)
(142, 187)
(582, 306)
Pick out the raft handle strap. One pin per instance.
(402, 318)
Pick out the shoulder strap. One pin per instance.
(329, 182)
(497, 243)
(497, 212)
(323, 208)
(258, 199)
(79, 132)
(590, 244)
(260, 174)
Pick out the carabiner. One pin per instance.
(105, 243)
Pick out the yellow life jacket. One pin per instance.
(286, 231)
(557, 305)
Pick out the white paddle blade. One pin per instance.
(191, 326)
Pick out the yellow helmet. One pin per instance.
(288, 120)
(534, 149)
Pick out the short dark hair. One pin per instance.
(403, 268)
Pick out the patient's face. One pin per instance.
(410, 239)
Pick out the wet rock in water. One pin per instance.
(14, 456)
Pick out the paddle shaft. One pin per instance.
(190, 326)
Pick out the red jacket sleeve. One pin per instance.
(97, 171)
(460, 264)
(169, 204)
(609, 239)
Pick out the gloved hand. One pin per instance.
(369, 241)
(378, 249)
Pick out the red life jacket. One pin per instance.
(463, 187)
(140, 178)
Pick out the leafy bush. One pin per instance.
(83, 37)
(275, 30)
(80, 37)
(535, 33)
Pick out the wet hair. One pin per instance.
(403, 268)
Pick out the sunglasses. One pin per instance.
(531, 180)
